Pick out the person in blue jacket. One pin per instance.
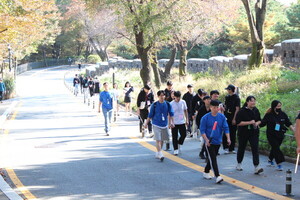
(106, 103)
(2, 89)
(161, 114)
(212, 126)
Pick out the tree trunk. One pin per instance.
(155, 68)
(183, 62)
(99, 51)
(44, 57)
(169, 65)
(256, 31)
(145, 72)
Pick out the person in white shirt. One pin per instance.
(180, 121)
(115, 95)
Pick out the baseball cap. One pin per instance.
(189, 86)
(230, 87)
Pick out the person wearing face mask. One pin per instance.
(277, 123)
(247, 120)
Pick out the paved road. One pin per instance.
(57, 148)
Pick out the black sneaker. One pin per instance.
(202, 156)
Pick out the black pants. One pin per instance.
(182, 130)
(232, 131)
(275, 152)
(253, 138)
(143, 116)
(1, 95)
(203, 151)
(213, 151)
(189, 127)
(91, 91)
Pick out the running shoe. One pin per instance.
(207, 176)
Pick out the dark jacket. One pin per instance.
(196, 101)
(231, 102)
(271, 119)
(246, 114)
(144, 97)
(188, 97)
(168, 95)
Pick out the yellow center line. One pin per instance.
(232, 181)
(11, 173)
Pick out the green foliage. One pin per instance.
(93, 59)
(125, 51)
(9, 84)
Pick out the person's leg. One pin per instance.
(254, 139)
(232, 130)
(275, 143)
(212, 159)
(224, 142)
(105, 114)
(182, 131)
(175, 137)
(1, 96)
(243, 139)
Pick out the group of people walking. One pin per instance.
(217, 124)
(86, 85)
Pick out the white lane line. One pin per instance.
(8, 191)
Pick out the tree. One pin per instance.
(28, 25)
(256, 26)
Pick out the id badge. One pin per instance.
(162, 117)
(148, 103)
(277, 127)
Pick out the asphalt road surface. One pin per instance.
(57, 148)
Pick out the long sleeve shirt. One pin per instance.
(159, 113)
(214, 134)
(277, 124)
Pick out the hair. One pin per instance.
(169, 83)
(274, 104)
(200, 91)
(214, 103)
(177, 94)
(105, 83)
(189, 86)
(249, 98)
(159, 92)
(214, 92)
(147, 87)
(206, 97)
(127, 83)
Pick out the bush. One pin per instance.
(10, 85)
(93, 59)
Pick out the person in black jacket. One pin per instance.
(144, 101)
(297, 133)
(168, 91)
(91, 86)
(188, 97)
(277, 123)
(232, 106)
(200, 112)
(247, 120)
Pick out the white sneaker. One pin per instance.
(207, 176)
(176, 152)
(156, 155)
(179, 148)
(239, 167)
(258, 170)
(219, 179)
(161, 156)
(226, 151)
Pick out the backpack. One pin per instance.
(168, 104)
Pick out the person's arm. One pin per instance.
(186, 117)
(297, 135)
(203, 129)
(100, 103)
(226, 130)
(237, 109)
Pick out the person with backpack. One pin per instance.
(277, 123)
(144, 101)
(181, 120)
(76, 83)
(232, 107)
(2, 89)
(212, 126)
(85, 87)
(161, 114)
(81, 79)
(247, 120)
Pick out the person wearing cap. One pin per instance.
(232, 107)
(214, 95)
(247, 120)
(106, 103)
(188, 98)
(212, 126)
(144, 101)
(180, 121)
(2, 89)
(200, 112)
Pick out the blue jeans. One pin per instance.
(107, 118)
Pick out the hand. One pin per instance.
(207, 142)
(138, 111)
(172, 125)
(99, 111)
(228, 141)
(145, 125)
(233, 122)
(298, 150)
(252, 122)
(187, 123)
